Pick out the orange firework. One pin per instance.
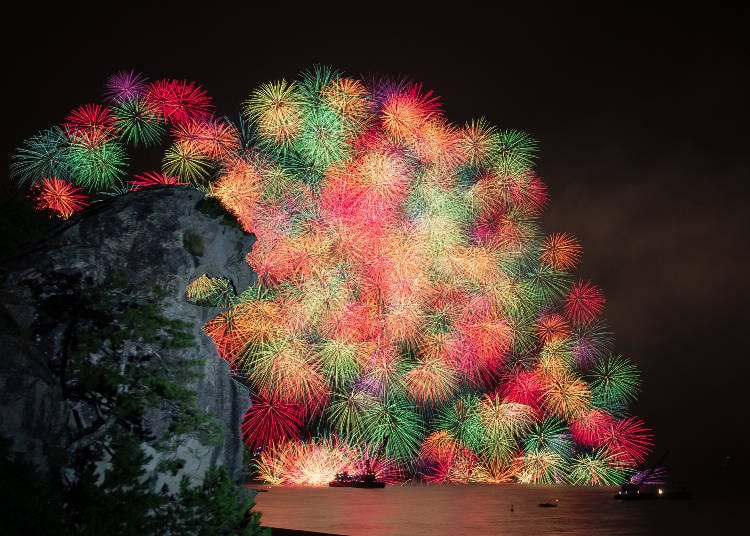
(494, 471)
(348, 97)
(403, 321)
(238, 188)
(431, 382)
(566, 395)
(383, 173)
(560, 251)
(214, 139)
(286, 370)
(404, 111)
(59, 197)
(552, 327)
(437, 142)
(476, 141)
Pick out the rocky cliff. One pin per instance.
(156, 238)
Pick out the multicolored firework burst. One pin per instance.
(408, 310)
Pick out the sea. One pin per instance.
(504, 509)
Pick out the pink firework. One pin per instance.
(59, 197)
(446, 459)
(124, 86)
(527, 192)
(584, 303)
(179, 101)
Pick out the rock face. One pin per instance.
(159, 238)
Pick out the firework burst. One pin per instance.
(584, 303)
(59, 197)
(41, 156)
(560, 251)
(124, 86)
(138, 123)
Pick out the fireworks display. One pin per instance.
(409, 309)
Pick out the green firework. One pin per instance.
(398, 421)
(323, 139)
(514, 152)
(186, 162)
(211, 291)
(97, 167)
(347, 413)
(550, 434)
(596, 468)
(461, 418)
(46, 154)
(339, 361)
(139, 123)
(614, 382)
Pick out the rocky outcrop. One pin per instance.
(159, 238)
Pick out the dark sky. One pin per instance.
(640, 112)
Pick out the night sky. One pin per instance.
(641, 116)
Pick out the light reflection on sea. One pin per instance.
(485, 509)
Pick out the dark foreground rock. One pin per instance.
(160, 240)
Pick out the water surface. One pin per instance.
(486, 509)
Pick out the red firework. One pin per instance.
(523, 387)
(153, 178)
(268, 421)
(59, 197)
(584, 303)
(591, 428)
(92, 124)
(446, 459)
(179, 101)
(527, 192)
(486, 338)
(629, 441)
(404, 111)
(561, 251)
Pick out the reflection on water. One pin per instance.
(485, 509)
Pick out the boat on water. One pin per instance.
(366, 480)
(632, 492)
(342, 480)
(550, 504)
(641, 488)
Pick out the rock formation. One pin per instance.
(158, 238)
